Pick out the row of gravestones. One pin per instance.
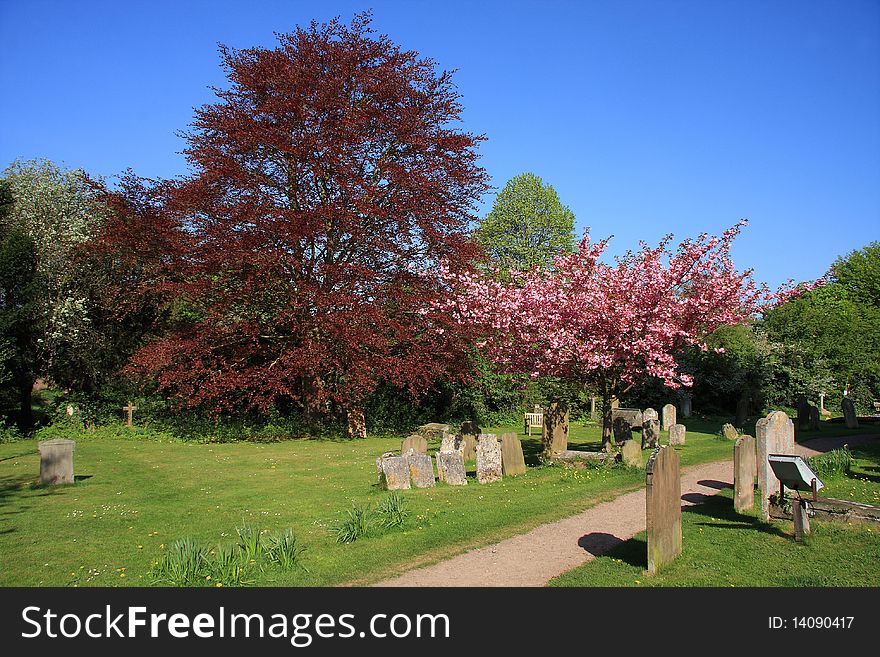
(413, 467)
(624, 420)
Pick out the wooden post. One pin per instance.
(130, 409)
(593, 408)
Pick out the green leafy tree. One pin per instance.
(859, 274)
(527, 225)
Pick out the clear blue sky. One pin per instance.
(647, 116)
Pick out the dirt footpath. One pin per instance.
(532, 559)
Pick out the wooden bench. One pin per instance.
(533, 420)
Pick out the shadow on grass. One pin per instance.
(721, 509)
(598, 543)
(19, 455)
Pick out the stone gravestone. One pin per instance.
(814, 418)
(686, 402)
(742, 411)
(469, 433)
(622, 429)
(744, 474)
(803, 413)
(451, 443)
(393, 472)
(414, 442)
(513, 462)
(649, 414)
(632, 416)
(729, 431)
(433, 430)
(668, 416)
(488, 458)
(450, 468)
(849, 413)
(554, 436)
(677, 433)
(663, 508)
(774, 435)
(650, 434)
(631, 453)
(421, 469)
(56, 461)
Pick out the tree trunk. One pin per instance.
(607, 427)
(357, 424)
(25, 398)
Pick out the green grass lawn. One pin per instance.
(135, 496)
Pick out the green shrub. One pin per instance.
(284, 549)
(250, 542)
(391, 511)
(355, 526)
(835, 462)
(183, 564)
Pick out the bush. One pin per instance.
(835, 462)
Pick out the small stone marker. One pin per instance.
(554, 436)
(774, 435)
(450, 468)
(631, 453)
(130, 409)
(677, 433)
(650, 434)
(744, 474)
(421, 469)
(393, 472)
(512, 460)
(663, 508)
(849, 413)
(668, 416)
(488, 458)
(414, 442)
(729, 431)
(56, 461)
(649, 414)
(814, 418)
(433, 430)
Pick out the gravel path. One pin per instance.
(532, 559)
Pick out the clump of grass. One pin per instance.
(835, 462)
(183, 564)
(228, 567)
(283, 548)
(391, 510)
(355, 526)
(249, 542)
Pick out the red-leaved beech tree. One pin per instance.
(325, 177)
(609, 326)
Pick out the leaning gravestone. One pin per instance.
(450, 468)
(668, 416)
(663, 508)
(421, 469)
(631, 454)
(488, 458)
(677, 434)
(774, 435)
(554, 435)
(414, 442)
(650, 434)
(729, 431)
(744, 474)
(814, 418)
(649, 414)
(513, 461)
(393, 472)
(56, 461)
(849, 413)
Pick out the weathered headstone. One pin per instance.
(774, 434)
(433, 430)
(649, 414)
(650, 434)
(668, 416)
(513, 461)
(450, 468)
(729, 431)
(663, 508)
(488, 458)
(742, 411)
(357, 423)
(849, 413)
(470, 428)
(677, 433)
(814, 418)
(803, 413)
(622, 429)
(469, 432)
(421, 469)
(631, 453)
(393, 472)
(744, 474)
(56, 461)
(451, 442)
(632, 416)
(554, 436)
(686, 403)
(414, 442)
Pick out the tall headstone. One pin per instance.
(421, 469)
(650, 434)
(56, 461)
(631, 454)
(513, 461)
(469, 432)
(849, 413)
(677, 433)
(450, 468)
(742, 411)
(663, 508)
(393, 472)
(668, 416)
(554, 436)
(415, 442)
(649, 414)
(488, 458)
(814, 418)
(803, 413)
(744, 474)
(774, 434)
(686, 403)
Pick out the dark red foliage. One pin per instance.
(324, 180)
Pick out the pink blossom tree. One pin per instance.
(609, 326)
